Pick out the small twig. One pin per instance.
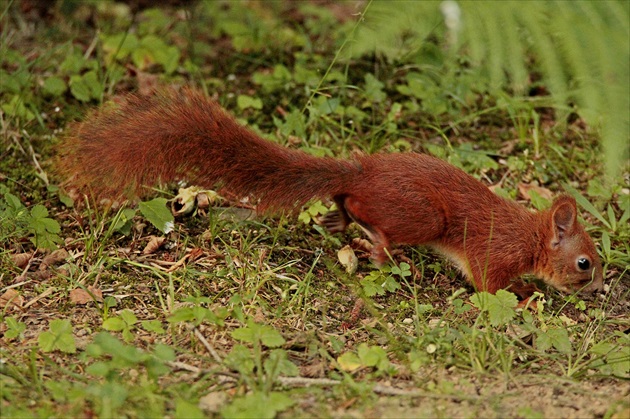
(179, 263)
(300, 381)
(391, 391)
(183, 366)
(307, 382)
(208, 346)
(19, 284)
(29, 263)
(39, 297)
(88, 51)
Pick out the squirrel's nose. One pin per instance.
(598, 282)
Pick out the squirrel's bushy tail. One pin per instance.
(171, 135)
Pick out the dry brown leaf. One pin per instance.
(362, 244)
(525, 188)
(184, 202)
(348, 259)
(81, 296)
(54, 257)
(195, 254)
(11, 297)
(203, 201)
(154, 244)
(21, 259)
(193, 198)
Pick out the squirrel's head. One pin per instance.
(571, 263)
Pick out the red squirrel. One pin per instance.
(399, 198)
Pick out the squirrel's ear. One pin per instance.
(563, 218)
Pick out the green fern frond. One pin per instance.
(393, 34)
(513, 49)
(543, 48)
(581, 50)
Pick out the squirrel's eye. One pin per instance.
(583, 264)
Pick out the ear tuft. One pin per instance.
(563, 215)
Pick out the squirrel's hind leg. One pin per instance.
(381, 250)
(337, 220)
(334, 221)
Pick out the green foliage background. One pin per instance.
(580, 49)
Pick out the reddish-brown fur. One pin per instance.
(405, 198)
